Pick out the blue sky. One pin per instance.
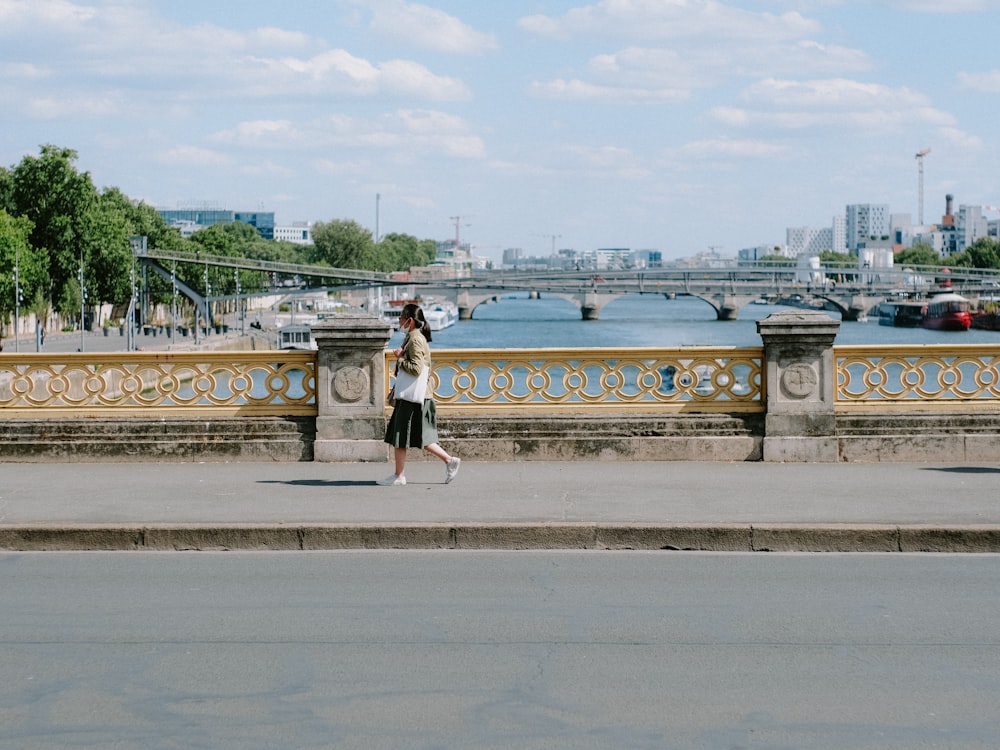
(680, 125)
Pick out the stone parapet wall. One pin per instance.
(704, 437)
(800, 422)
(176, 439)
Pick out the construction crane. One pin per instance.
(920, 184)
(458, 225)
(553, 237)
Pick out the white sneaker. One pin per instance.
(392, 481)
(451, 469)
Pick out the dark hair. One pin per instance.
(412, 311)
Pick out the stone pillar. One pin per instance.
(800, 382)
(350, 388)
(464, 304)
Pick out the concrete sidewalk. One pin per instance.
(570, 505)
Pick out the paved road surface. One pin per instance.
(522, 650)
(575, 504)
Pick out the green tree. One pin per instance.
(343, 244)
(235, 240)
(6, 190)
(984, 253)
(830, 258)
(921, 254)
(56, 198)
(105, 241)
(399, 252)
(777, 260)
(31, 265)
(144, 221)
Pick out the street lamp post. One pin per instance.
(130, 318)
(83, 303)
(208, 304)
(173, 305)
(17, 297)
(241, 311)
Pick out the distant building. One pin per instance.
(647, 259)
(752, 254)
(839, 243)
(513, 257)
(299, 232)
(190, 220)
(808, 241)
(970, 225)
(866, 222)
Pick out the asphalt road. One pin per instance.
(499, 650)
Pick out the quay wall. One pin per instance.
(798, 398)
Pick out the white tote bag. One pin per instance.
(412, 388)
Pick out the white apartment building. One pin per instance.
(808, 240)
(299, 232)
(866, 222)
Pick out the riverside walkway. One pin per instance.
(513, 505)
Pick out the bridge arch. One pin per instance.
(589, 304)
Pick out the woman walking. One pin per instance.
(413, 423)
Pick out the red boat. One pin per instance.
(947, 312)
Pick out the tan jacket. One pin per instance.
(416, 355)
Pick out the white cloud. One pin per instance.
(939, 7)
(961, 139)
(404, 131)
(833, 103)
(267, 169)
(59, 14)
(669, 19)
(24, 71)
(700, 45)
(139, 52)
(194, 156)
(85, 106)
(577, 90)
(725, 148)
(430, 28)
(609, 161)
(987, 82)
(338, 72)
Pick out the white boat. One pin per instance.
(440, 314)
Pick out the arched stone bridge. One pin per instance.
(852, 291)
(727, 306)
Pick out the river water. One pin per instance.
(517, 322)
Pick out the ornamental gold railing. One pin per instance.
(687, 379)
(690, 379)
(914, 378)
(275, 383)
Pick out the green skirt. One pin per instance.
(412, 425)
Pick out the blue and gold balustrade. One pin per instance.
(914, 378)
(902, 378)
(276, 383)
(689, 379)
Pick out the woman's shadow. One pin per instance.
(319, 482)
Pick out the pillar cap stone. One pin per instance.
(798, 323)
(351, 325)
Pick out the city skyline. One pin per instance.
(673, 125)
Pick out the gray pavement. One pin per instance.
(529, 505)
